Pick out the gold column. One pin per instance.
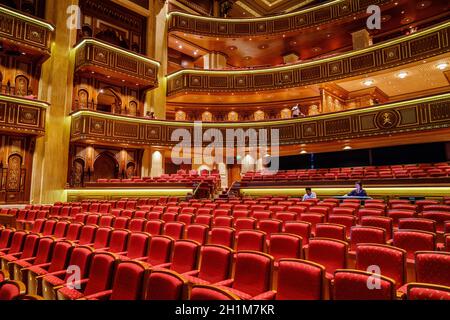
(157, 37)
(50, 163)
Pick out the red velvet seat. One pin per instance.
(413, 241)
(165, 285)
(137, 224)
(370, 212)
(252, 276)
(106, 221)
(10, 290)
(332, 254)
(353, 285)
(343, 219)
(300, 228)
(391, 261)
(201, 292)
(154, 215)
(87, 234)
(49, 227)
(60, 229)
(425, 291)
(331, 230)
(169, 216)
(197, 232)
(223, 221)
(154, 227)
(433, 267)
(186, 218)
(244, 223)
(283, 245)
(137, 246)
(420, 224)
(174, 230)
(313, 219)
(261, 214)
(118, 241)
(29, 250)
(101, 239)
(159, 251)
(362, 234)
(270, 226)
(439, 216)
(444, 208)
(16, 243)
(300, 280)
(185, 256)
(286, 216)
(216, 263)
(254, 240)
(223, 236)
(92, 219)
(385, 223)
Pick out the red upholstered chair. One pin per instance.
(331, 230)
(344, 211)
(29, 250)
(223, 221)
(102, 237)
(80, 257)
(137, 246)
(203, 219)
(330, 253)
(369, 212)
(87, 235)
(121, 222)
(261, 214)
(106, 221)
(58, 261)
(137, 224)
(286, 216)
(313, 219)
(244, 223)
(398, 214)
(127, 285)
(324, 210)
(252, 276)
(270, 226)
(197, 232)
(202, 292)
(390, 260)
(300, 280)
(433, 267)
(204, 211)
(16, 243)
(43, 255)
(425, 291)
(407, 207)
(169, 216)
(154, 227)
(185, 256)
(104, 208)
(164, 284)
(297, 209)
(215, 266)
(238, 207)
(186, 218)
(154, 215)
(439, 216)
(343, 219)
(174, 230)
(254, 240)
(284, 245)
(116, 212)
(352, 285)
(188, 209)
(127, 213)
(221, 212)
(159, 251)
(223, 236)
(118, 241)
(175, 209)
(10, 290)
(49, 227)
(92, 218)
(420, 224)
(240, 213)
(300, 228)
(445, 208)
(413, 241)
(362, 234)
(397, 201)
(385, 223)
(60, 229)
(4, 275)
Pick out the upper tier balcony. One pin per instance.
(115, 63)
(418, 46)
(22, 116)
(24, 34)
(409, 117)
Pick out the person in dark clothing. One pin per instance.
(358, 191)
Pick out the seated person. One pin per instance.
(358, 191)
(309, 194)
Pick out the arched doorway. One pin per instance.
(108, 101)
(105, 167)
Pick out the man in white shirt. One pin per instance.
(295, 111)
(309, 194)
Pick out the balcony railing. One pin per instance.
(412, 116)
(97, 56)
(415, 47)
(303, 19)
(21, 29)
(22, 116)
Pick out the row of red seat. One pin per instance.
(222, 267)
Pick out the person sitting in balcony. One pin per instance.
(309, 194)
(358, 191)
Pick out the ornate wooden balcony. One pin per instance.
(19, 31)
(415, 47)
(22, 116)
(424, 114)
(93, 55)
(303, 19)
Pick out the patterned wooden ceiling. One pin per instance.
(269, 7)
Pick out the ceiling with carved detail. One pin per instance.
(258, 8)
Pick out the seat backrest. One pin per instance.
(49, 227)
(165, 285)
(174, 230)
(216, 263)
(414, 240)
(154, 227)
(81, 257)
(61, 229)
(102, 237)
(254, 240)
(331, 230)
(343, 219)
(10, 290)
(244, 223)
(360, 234)
(87, 234)
(160, 250)
(197, 232)
(185, 256)
(101, 272)
(61, 255)
(30, 245)
(106, 221)
(425, 291)
(300, 228)
(223, 221)
(283, 245)
(44, 250)
(253, 272)
(332, 254)
(300, 280)
(118, 240)
(137, 224)
(17, 242)
(390, 260)
(270, 226)
(385, 223)
(138, 243)
(224, 236)
(121, 222)
(352, 285)
(128, 281)
(417, 224)
(433, 267)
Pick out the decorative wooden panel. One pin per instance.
(193, 24)
(95, 55)
(22, 116)
(418, 46)
(23, 30)
(381, 120)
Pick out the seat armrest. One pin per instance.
(226, 283)
(164, 265)
(192, 273)
(102, 295)
(80, 282)
(56, 273)
(268, 295)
